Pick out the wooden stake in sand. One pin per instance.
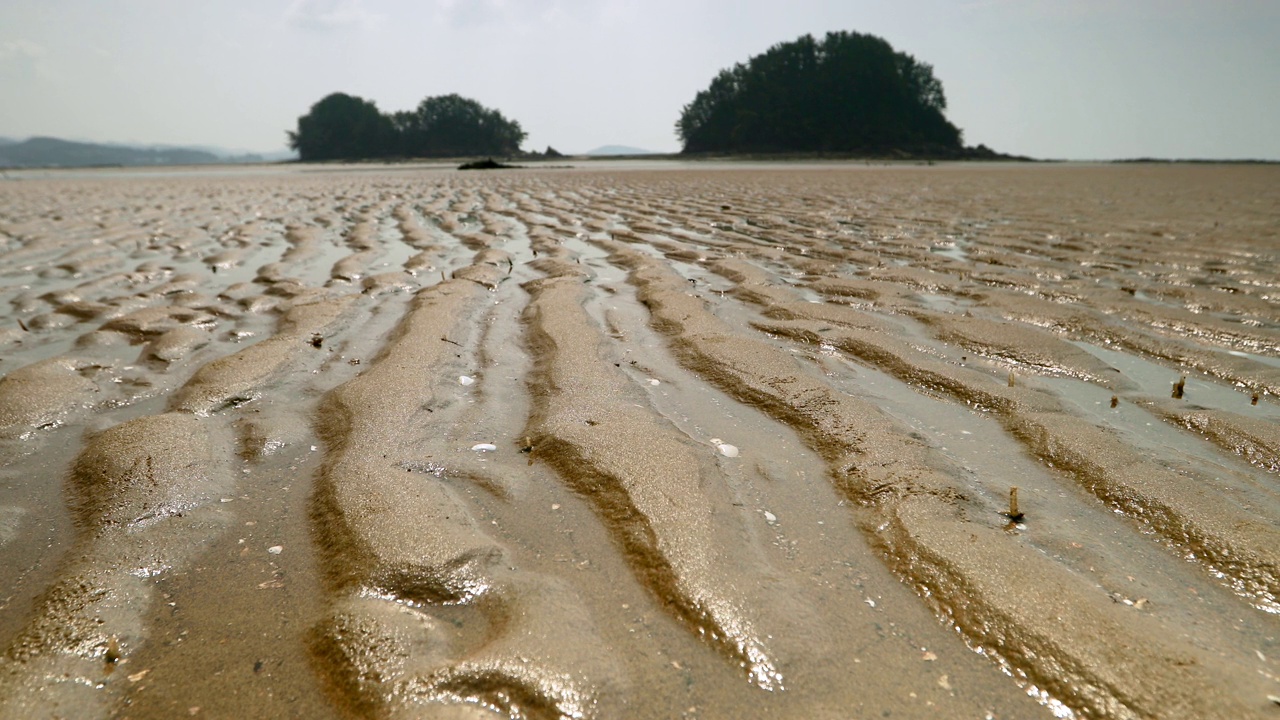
(1178, 388)
(1013, 513)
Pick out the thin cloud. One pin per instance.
(20, 50)
(22, 58)
(331, 15)
(530, 14)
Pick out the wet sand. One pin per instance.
(643, 440)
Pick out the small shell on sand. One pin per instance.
(725, 448)
(484, 447)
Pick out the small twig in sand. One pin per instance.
(528, 448)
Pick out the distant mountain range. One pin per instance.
(52, 152)
(619, 150)
(47, 152)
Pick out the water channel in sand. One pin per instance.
(640, 440)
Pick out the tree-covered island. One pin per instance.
(848, 93)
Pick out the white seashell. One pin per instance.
(654, 382)
(275, 549)
(727, 450)
(770, 517)
(463, 379)
(484, 447)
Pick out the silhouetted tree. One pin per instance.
(453, 126)
(343, 127)
(402, 121)
(848, 93)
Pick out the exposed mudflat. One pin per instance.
(642, 441)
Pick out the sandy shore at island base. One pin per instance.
(641, 440)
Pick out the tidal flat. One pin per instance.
(641, 440)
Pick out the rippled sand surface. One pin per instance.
(642, 441)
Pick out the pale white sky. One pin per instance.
(1076, 79)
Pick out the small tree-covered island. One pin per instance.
(345, 127)
(848, 93)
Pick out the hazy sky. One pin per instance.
(1076, 79)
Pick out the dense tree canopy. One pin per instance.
(451, 125)
(847, 93)
(343, 127)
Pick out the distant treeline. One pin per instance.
(849, 93)
(345, 127)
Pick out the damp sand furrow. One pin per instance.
(1062, 642)
(406, 556)
(791, 521)
(143, 494)
(242, 377)
(642, 475)
(1226, 537)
